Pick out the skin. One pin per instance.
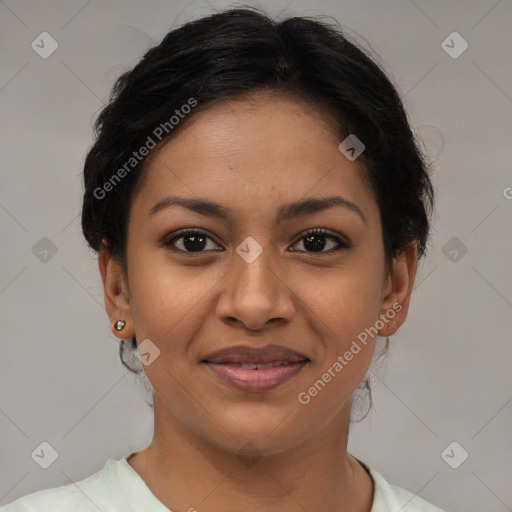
(253, 156)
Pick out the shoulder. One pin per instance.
(88, 495)
(391, 498)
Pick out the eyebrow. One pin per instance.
(289, 211)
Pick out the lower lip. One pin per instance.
(255, 380)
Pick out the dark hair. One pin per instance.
(228, 55)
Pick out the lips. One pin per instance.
(255, 369)
(261, 366)
(272, 354)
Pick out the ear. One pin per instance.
(116, 293)
(396, 290)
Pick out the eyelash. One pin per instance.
(342, 244)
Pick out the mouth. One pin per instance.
(258, 366)
(255, 369)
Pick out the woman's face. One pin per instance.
(245, 173)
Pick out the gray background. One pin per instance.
(447, 375)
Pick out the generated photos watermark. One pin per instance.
(304, 397)
(158, 133)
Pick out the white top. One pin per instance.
(119, 488)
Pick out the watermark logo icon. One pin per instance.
(351, 147)
(44, 455)
(454, 455)
(454, 45)
(249, 249)
(147, 352)
(454, 249)
(44, 45)
(44, 250)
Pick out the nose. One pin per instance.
(255, 294)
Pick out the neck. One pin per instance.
(188, 472)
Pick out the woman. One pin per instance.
(259, 205)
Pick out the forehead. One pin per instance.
(263, 150)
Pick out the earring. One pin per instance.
(119, 325)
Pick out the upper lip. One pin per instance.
(244, 354)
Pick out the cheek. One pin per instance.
(343, 310)
(170, 306)
(165, 296)
(347, 299)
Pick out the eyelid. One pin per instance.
(343, 242)
(321, 231)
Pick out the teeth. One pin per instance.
(265, 366)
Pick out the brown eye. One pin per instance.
(316, 240)
(191, 241)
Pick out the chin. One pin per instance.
(258, 436)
